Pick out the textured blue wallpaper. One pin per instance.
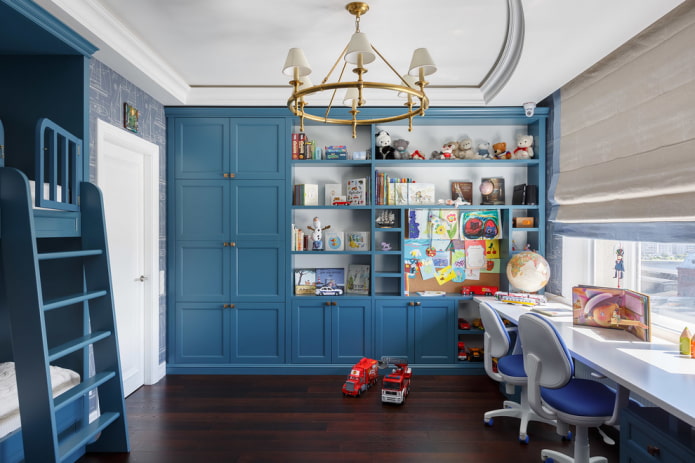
(107, 93)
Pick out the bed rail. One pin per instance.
(58, 167)
(2, 144)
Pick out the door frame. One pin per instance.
(107, 133)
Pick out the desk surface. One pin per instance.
(654, 370)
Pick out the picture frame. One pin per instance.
(131, 117)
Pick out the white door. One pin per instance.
(125, 175)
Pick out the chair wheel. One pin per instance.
(548, 460)
(488, 422)
(524, 439)
(567, 437)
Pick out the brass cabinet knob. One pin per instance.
(228, 306)
(229, 175)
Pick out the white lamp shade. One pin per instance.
(359, 45)
(296, 60)
(352, 94)
(422, 60)
(410, 80)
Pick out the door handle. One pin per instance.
(141, 278)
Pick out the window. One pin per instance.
(664, 271)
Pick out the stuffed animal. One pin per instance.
(448, 150)
(524, 149)
(401, 147)
(500, 151)
(484, 150)
(417, 156)
(383, 145)
(465, 150)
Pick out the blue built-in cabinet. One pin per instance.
(232, 306)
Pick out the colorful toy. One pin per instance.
(520, 298)
(395, 386)
(463, 324)
(462, 355)
(484, 150)
(499, 151)
(316, 234)
(385, 246)
(417, 155)
(363, 375)
(448, 150)
(465, 150)
(524, 149)
(475, 354)
(479, 290)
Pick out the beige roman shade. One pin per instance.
(627, 132)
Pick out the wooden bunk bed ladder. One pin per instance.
(33, 347)
(58, 163)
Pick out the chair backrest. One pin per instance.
(541, 342)
(495, 330)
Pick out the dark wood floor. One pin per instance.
(306, 419)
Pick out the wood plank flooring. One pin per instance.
(230, 419)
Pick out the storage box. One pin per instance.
(523, 222)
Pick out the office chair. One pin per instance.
(554, 392)
(510, 371)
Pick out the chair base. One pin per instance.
(581, 450)
(515, 410)
(558, 457)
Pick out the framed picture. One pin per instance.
(130, 117)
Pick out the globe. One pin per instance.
(528, 271)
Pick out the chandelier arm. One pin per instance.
(335, 89)
(390, 67)
(328, 76)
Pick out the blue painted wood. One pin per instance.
(435, 328)
(257, 333)
(311, 331)
(394, 332)
(202, 272)
(351, 330)
(2, 144)
(200, 147)
(255, 145)
(201, 335)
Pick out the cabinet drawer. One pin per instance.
(650, 435)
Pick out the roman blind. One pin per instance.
(625, 156)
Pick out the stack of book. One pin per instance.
(335, 152)
(306, 194)
(300, 240)
(299, 146)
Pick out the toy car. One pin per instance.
(475, 354)
(463, 324)
(328, 291)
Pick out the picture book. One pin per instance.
(330, 281)
(304, 281)
(332, 191)
(357, 241)
(421, 194)
(463, 190)
(612, 308)
(358, 279)
(357, 191)
(334, 241)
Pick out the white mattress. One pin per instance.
(46, 192)
(61, 380)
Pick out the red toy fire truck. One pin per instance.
(396, 385)
(479, 290)
(362, 376)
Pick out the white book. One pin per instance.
(331, 191)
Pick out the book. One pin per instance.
(612, 308)
(357, 191)
(519, 194)
(306, 194)
(334, 241)
(357, 241)
(331, 192)
(463, 190)
(421, 194)
(304, 281)
(330, 281)
(357, 279)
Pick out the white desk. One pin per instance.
(654, 370)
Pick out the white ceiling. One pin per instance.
(227, 52)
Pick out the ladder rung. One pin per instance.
(74, 299)
(86, 434)
(76, 344)
(81, 389)
(69, 254)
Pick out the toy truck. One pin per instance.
(363, 375)
(396, 385)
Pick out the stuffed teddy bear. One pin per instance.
(484, 150)
(448, 150)
(465, 150)
(401, 147)
(500, 151)
(524, 149)
(383, 145)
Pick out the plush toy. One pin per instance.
(524, 149)
(317, 233)
(417, 155)
(448, 150)
(383, 145)
(465, 150)
(484, 150)
(500, 151)
(401, 147)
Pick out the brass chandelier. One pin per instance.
(358, 52)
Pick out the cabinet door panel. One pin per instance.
(201, 147)
(259, 148)
(202, 271)
(258, 211)
(311, 330)
(258, 333)
(203, 210)
(434, 332)
(202, 333)
(352, 330)
(258, 271)
(394, 329)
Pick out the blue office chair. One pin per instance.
(554, 392)
(510, 371)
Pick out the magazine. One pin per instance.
(612, 308)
